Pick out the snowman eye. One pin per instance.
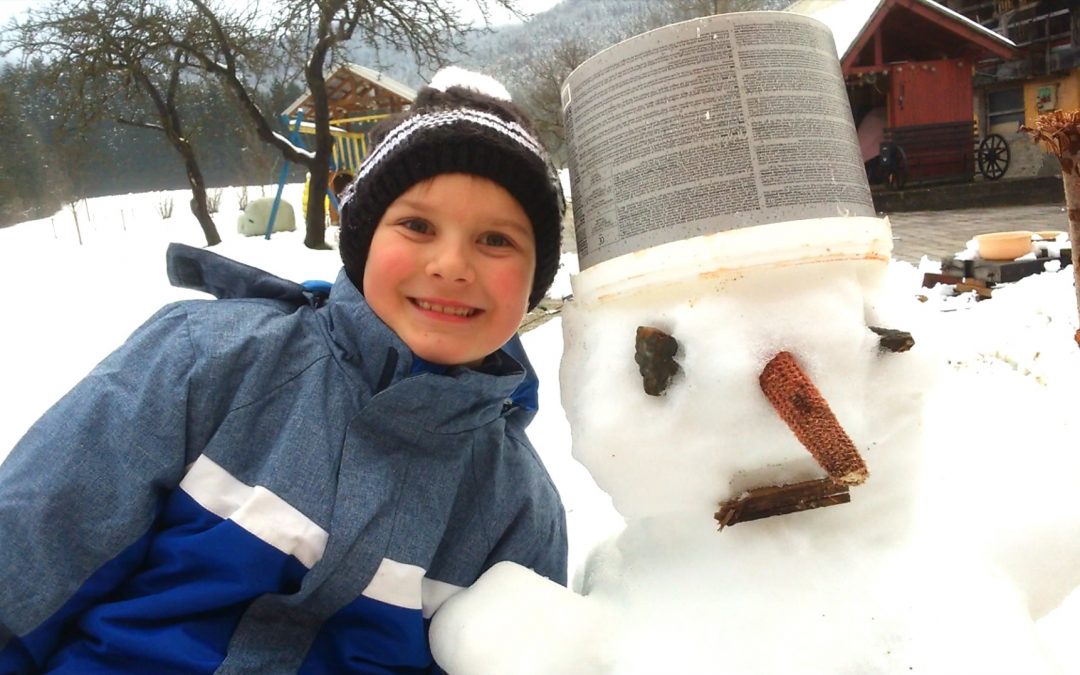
(891, 340)
(654, 352)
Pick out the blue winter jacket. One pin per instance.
(265, 486)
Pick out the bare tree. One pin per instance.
(318, 30)
(113, 61)
(540, 89)
(127, 49)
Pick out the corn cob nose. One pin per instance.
(807, 414)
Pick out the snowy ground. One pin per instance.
(1007, 368)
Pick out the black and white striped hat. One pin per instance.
(461, 123)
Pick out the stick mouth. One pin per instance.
(806, 412)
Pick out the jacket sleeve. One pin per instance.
(535, 537)
(79, 492)
(545, 551)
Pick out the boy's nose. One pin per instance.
(451, 262)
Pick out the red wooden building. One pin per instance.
(909, 67)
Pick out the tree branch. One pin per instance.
(139, 125)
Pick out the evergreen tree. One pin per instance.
(24, 193)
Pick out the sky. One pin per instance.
(11, 8)
(985, 399)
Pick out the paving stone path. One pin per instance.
(941, 234)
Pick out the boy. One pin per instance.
(256, 486)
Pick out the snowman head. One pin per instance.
(713, 435)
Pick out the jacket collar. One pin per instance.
(374, 354)
(381, 360)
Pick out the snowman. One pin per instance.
(787, 533)
(751, 394)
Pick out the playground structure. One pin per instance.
(358, 97)
(350, 148)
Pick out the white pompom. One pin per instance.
(453, 76)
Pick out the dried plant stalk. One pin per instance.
(1059, 132)
(807, 413)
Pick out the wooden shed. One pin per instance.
(909, 68)
(358, 97)
(354, 90)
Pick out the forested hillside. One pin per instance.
(48, 159)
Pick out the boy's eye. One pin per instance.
(495, 239)
(416, 225)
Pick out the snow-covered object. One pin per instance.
(920, 572)
(905, 576)
(671, 566)
(252, 221)
(733, 300)
(940, 562)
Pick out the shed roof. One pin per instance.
(355, 90)
(853, 21)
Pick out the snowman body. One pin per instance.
(881, 584)
(804, 593)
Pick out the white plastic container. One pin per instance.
(704, 149)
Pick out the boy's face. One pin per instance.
(450, 268)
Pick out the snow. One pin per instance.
(76, 303)
(966, 535)
(455, 76)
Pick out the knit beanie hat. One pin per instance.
(461, 123)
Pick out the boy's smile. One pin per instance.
(450, 268)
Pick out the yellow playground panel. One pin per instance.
(358, 98)
(350, 149)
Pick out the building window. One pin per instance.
(1004, 110)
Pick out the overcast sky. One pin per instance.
(9, 8)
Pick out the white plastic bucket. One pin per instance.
(709, 147)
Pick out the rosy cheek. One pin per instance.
(390, 261)
(512, 281)
(396, 262)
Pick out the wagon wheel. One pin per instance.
(893, 166)
(993, 157)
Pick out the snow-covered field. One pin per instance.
(1005, 394)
